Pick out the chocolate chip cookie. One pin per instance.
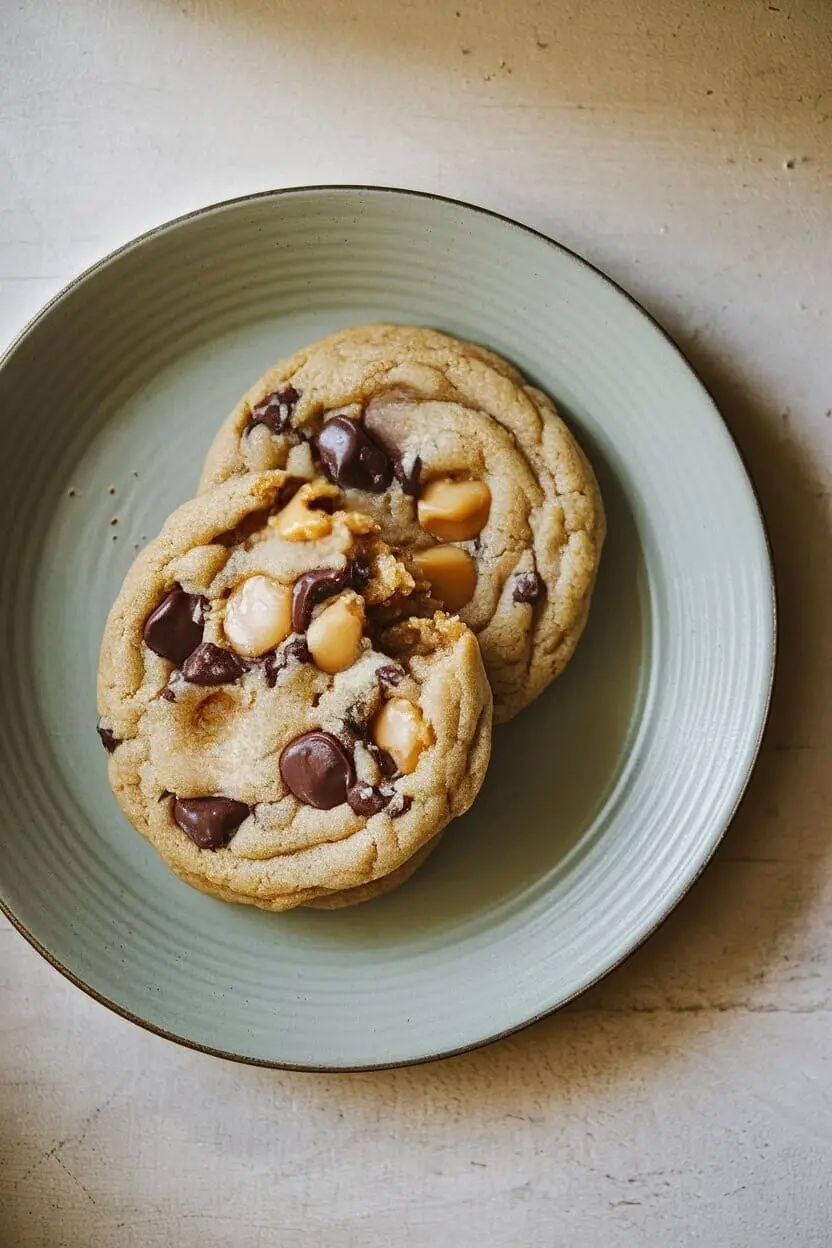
(280, 725)
(461, 463)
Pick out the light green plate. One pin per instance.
(604, 799)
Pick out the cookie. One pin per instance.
(278, 726)
(461, 463)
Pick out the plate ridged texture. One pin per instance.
(604, 799)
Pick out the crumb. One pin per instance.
(115, 537)
(789, 164)
(111, 489)
(72, 493)
(114, 520)
(135, 474)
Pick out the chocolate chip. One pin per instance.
(368, 799)
(387, 763)
(168, 694)
(108, 740)
(400, 805)
(360, 572)
(174, 629)
(210, 822)
(390, 676)
(351, 458)
(294, 650)
(528, 587)
(317, 769)
(408, 476)
(247, 527)
(287, 492)
(407, 471)
(352, 730)
(275, 411)
(211, 665)
(322, 503)
(312, 588)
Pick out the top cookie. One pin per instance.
(461, 463)
(278, 726)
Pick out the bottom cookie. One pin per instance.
(376, 888)
(339, 900)
(279, 725)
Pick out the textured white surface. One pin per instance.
(687, 148)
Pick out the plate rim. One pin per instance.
(668, 908)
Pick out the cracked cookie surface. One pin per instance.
(461, 463)
(277, 726)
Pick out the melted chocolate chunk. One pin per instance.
(387, 763)
(317, 769)
(390, 676)
(295, 650)
(359, 573)
(351, 458)
(287, 492)
(275, 411)
(312, 588)
(350, 731)
(528, 587)
(168, 694)
(410, 476)
(210, 822)
(174, 629)
(400, 805)
(368, 799)
(108, 740)
(211, 665)
(247, 527)
(407, 471)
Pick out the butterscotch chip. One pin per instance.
(454, 511)
(334, 636)
(451, 572)
(359, 523)
(300, 520)
(258, 616)
(400, 730)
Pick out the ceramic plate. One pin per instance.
(604, 799)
